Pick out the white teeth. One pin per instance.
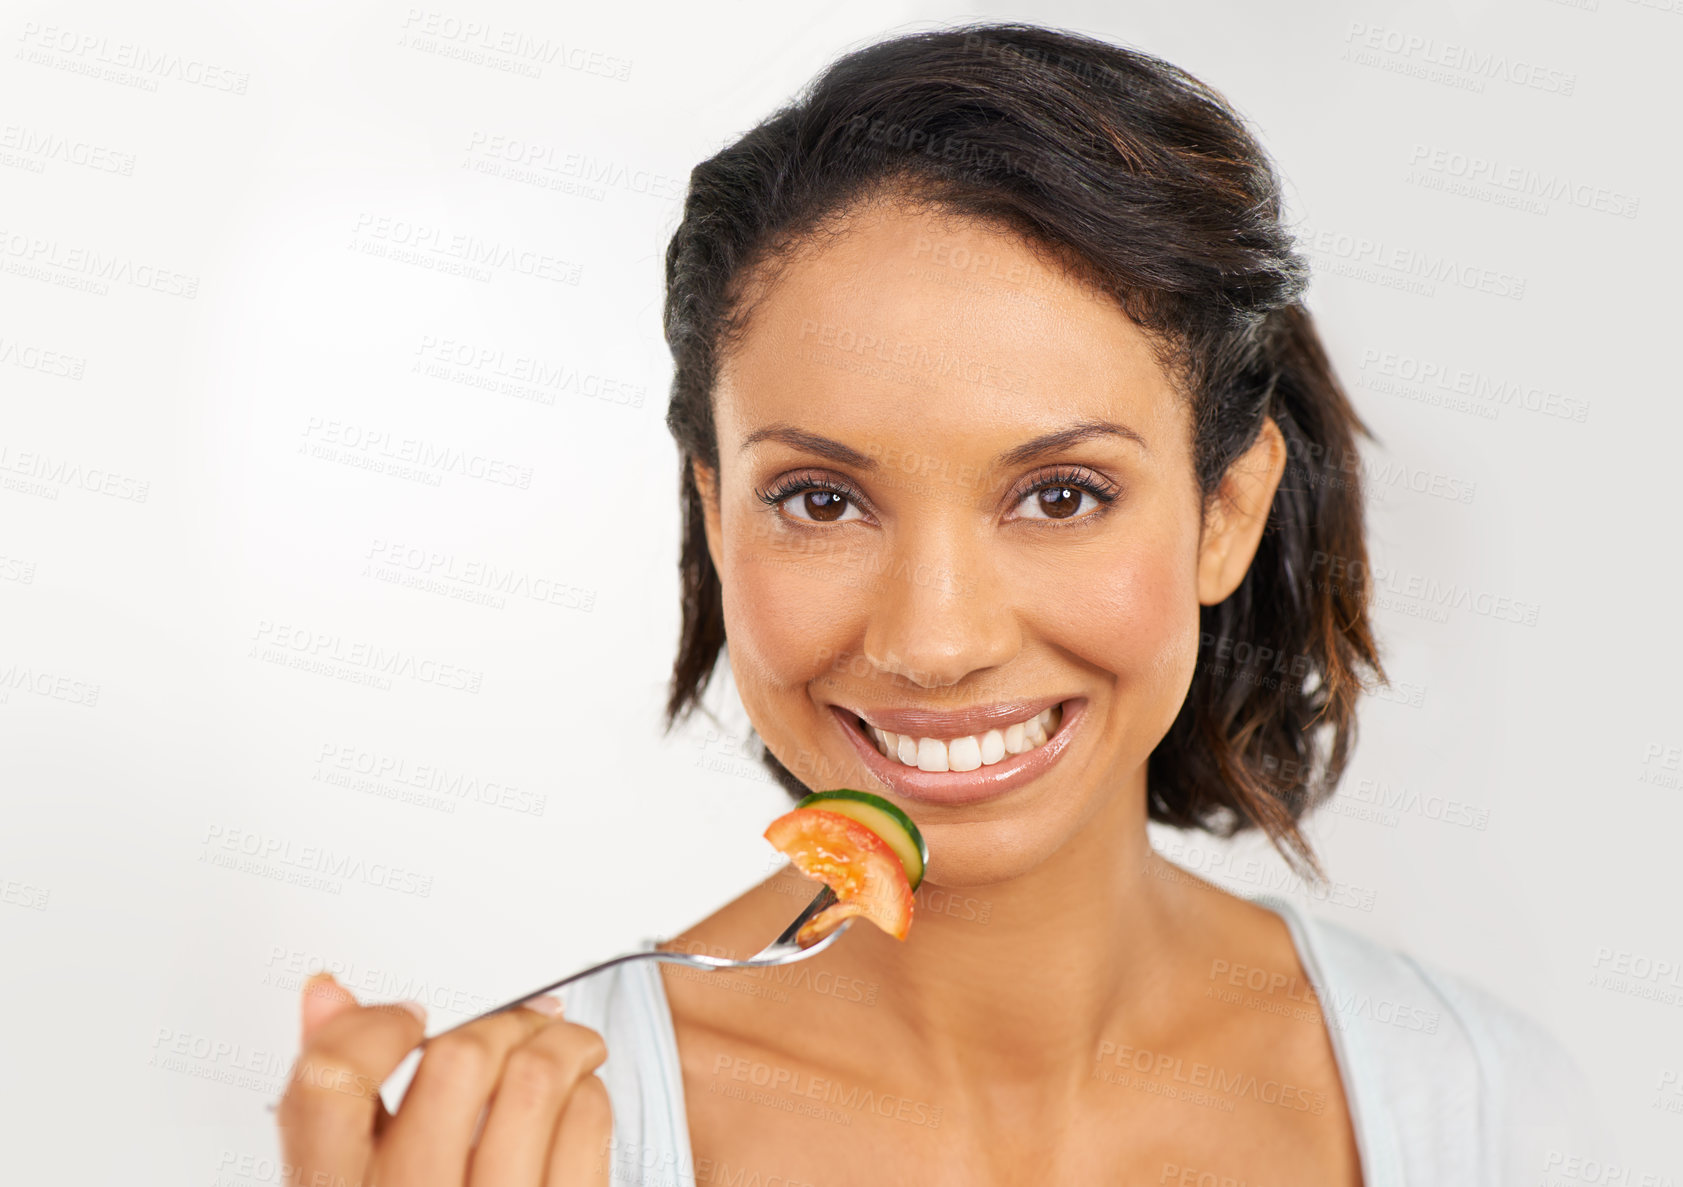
(968, 753)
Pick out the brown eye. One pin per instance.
(818, 504)
(1059, 502)
(826, 506)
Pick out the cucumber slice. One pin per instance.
(882, 818)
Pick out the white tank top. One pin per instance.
(1446, 1085)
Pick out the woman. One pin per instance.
(1018, 489)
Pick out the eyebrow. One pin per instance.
(841, 454)
(1062, 439)
(1046, 443)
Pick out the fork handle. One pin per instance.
(567, 980)
(823, 899)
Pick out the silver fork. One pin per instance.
(783, 950)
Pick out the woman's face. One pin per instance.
(957, 529)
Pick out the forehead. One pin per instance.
(917, 323)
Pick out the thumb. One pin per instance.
(322, 998)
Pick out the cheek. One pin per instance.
(790, 608)
(1131, 611)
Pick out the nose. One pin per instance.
(938, 615)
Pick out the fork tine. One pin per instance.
(823, 899)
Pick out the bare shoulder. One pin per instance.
(1448, 1073)
(1232, 942)
(762, 1016)
(762, 1054)
(735, 931)
(1253, 1030)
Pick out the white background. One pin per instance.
(149, 992)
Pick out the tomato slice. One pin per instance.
(882, 818)
(863, 869)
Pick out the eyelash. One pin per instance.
(1074, 477)
(799, 484)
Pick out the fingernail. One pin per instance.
(415, 1008)
(317, 979)
(548, 1005)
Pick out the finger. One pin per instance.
(326, 1118)
(581, 1155)
(320, 999)
(429, 1139)
(538, 1080)
(323, 998)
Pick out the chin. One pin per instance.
(970, 856)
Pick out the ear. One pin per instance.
(707, 486)
(1239, 514)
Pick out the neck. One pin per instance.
(1017, 981)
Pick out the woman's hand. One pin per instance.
(546, 1117)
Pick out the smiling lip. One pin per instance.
(932, 723)
(955, 787)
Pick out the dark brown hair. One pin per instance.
(1149, 184)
